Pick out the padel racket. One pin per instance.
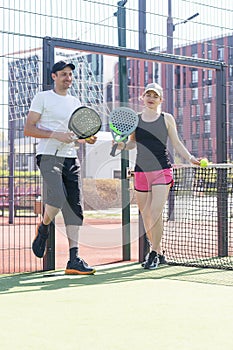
(84, 122)
(122, 122)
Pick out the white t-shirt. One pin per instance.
(55, 113)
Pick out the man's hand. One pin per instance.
(64, 137)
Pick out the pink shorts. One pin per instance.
(143, 182)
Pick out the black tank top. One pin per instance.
(151, 139)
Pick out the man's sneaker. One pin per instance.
(79, 267)
(39, 242)
(152, 262)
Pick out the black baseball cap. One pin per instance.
(61, 65)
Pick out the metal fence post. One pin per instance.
(48, 60)
(221, 138)
(121, 23)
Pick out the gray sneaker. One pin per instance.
(79, 267)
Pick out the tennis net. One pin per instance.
(198, 217)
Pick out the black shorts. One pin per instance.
(62, 182)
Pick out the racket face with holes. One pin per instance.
(84, 122)
(122, 122)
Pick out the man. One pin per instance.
(57, 159)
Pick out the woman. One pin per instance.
(153, 176)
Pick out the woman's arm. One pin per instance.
(176, 142)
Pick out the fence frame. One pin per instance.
(49, 45)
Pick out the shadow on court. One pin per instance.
(110, 274)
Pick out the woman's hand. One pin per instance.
(91, 140)
(194, 160)
(120, 145)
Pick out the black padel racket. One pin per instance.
(84, 122)
(122, 122)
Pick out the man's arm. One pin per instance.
(31, 129)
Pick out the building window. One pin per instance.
(184, 96)
(204, 92)
(193, 130)
(184, 76)
(195, 144)
(231, 109)
(195, 76)
(207, 109)
(129, 73)
(193, 110)
(178, 98)
(203, 75)
(180, 129)
(230, 71)
(209, 91)
(230, 54)
(209, 74)
(195, 94)
(220, 54)
(230, 87)
(180, 111)
(146, 74)
(196, 128)
(207, 126)
(177, 71)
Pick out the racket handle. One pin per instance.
(113, 151)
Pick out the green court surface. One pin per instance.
(121, 307)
